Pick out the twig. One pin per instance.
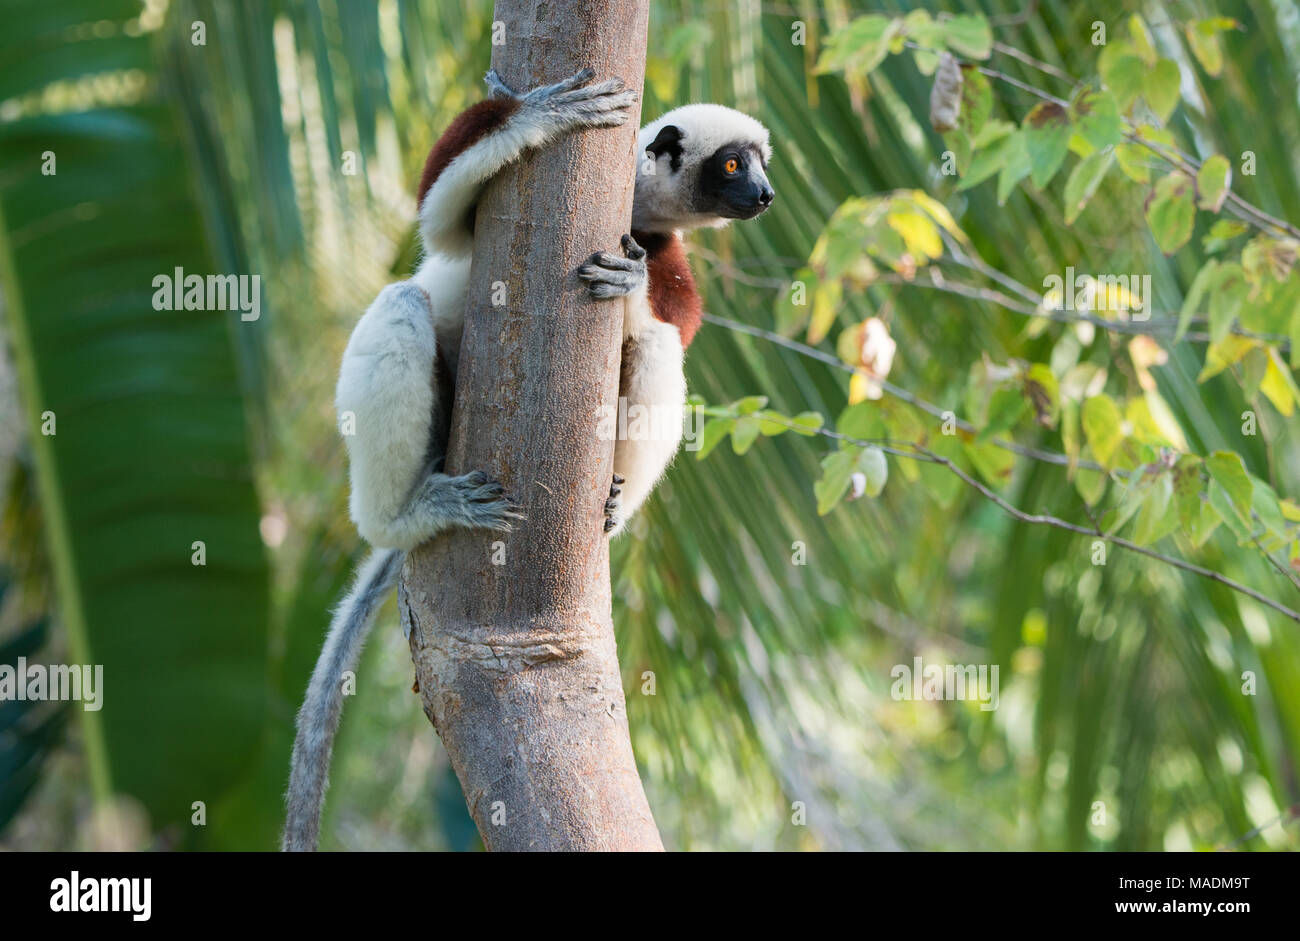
(1037, 454)
(920, 453)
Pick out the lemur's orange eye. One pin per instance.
(732, 165)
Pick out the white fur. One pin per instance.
(385, 394)
(652, 377)
(663, 197)
(448, 202)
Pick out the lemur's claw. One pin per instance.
(631, 249)
(484, 504)
(613, 506)
(497, 84)
(607, 275)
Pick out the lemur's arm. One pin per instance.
(399, 418)
(661, 316)
(492, 134)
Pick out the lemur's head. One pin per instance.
(700, 165)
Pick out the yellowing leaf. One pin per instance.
(1226, 352)
(1212, 182)
(1101, 427)
(1279, 385)
(919, 233)
(826, 303)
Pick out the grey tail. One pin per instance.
(318, 719)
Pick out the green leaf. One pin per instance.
(863, 421)
(712, 435)
(1006, 406)
(1047, 139)
(745, 433)
(1142, 42)
(976, 101)
(1197, 517)
(1044, 393)
(1134, 161)
(1083, 182)
(1015, 168)
(749, 404)
(1227, 292)
(1221, 233)
(1123, 72)
(152, 450)
(872, 464)
(990, 160)
(1171, 213)
(1102, 427)
(1212, 182)
(1158, 516)
(859, 46)
(1161, 88)
(1195, 295)
(1203, 38)
(993, 463)
(1227, 470)
(1096, 116)
(968, 35)
(807, 424)
(838, 469)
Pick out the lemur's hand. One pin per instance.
(474, 501)
(607, 275)
(572, 103)
(614, 506)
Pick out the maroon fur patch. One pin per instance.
(673, 296)
(470, 127)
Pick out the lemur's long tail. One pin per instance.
(318, 719)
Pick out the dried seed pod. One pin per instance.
(945, 95)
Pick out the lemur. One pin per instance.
(703, 166)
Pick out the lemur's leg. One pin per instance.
(652, 386)
(492, 133)
(387, 404)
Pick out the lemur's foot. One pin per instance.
(614, 506)
(607, 275)
(476, 501)
(573, 103)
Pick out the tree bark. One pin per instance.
(512, 635)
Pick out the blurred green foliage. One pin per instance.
(757, 637)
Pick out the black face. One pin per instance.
(733, 184)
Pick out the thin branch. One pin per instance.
(1037, 454)
(1239, 207)
(1033, 63)
(924, 455)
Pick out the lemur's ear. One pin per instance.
(668, 141)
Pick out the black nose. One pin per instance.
(766, 196)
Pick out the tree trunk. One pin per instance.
(512, 635)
